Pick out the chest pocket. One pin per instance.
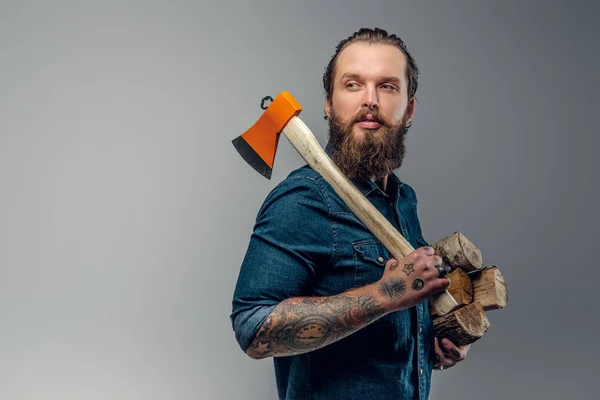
(369, 261)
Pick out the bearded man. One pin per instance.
(316, 290)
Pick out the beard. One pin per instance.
(375, 155)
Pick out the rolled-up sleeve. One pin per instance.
(291, 240)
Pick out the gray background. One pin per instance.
(125, 210)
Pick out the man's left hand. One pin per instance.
(447, 355)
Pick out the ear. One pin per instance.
(410, 111)
(328, 107)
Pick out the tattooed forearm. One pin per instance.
(299, 325)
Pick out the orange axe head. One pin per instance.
(258, 144)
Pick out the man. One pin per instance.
(316, 290)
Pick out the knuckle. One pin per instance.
(411, 256)
(416, 256)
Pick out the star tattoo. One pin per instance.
(408, 269)
(262, 348)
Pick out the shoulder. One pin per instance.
(304, 172)
(303, 188)
(303, 181)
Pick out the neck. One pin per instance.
(382, 182)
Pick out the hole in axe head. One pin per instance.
(262, 102)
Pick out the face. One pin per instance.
(369, 110)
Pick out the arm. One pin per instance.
(302, 324)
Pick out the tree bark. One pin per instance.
(463, 326)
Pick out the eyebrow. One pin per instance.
(392, 79)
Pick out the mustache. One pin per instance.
(377, 117)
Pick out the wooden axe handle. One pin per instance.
(310, 149)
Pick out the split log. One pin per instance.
(463, 326)
(458, 252)
(489, 288)
(461, 287)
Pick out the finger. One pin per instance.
(442, 271)
(428, 251)
(464, 350)
(428, 268)
(436, 345)
(430, 264)
(429, 261)
(440, 359)
(439, 284)
(439, 354)
(452, 351)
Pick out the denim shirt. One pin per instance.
(307, 242)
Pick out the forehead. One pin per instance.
(371, 61)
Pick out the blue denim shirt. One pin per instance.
(307, 242)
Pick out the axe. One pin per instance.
(258, 146)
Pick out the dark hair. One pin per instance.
(373, 36)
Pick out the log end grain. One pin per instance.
(489, 288)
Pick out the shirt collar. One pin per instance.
(367, 187)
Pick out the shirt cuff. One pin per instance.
(247, 323)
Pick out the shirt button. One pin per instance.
(380, 259)
(420, 329)
(421, 371)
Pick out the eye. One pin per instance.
(351, 85)
(387, 86)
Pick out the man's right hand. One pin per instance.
(410, 280)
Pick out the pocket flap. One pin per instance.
(371, 252)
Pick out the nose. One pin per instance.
(370, 100)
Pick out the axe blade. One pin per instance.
(252, 157)
(258, 144)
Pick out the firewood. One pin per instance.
(461, 287)
(463, 326)
(457, 251)
(489, 288)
